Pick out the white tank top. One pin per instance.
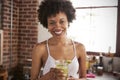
(73, 67)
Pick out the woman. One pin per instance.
(56, 15)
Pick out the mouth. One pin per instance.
(58, 32)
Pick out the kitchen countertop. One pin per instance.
(105, 76)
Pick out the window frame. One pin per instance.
(96, 7)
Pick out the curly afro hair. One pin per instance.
(50, 8)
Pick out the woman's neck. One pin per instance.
(61, 41)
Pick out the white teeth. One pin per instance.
(58, 32)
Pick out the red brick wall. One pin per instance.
(7, 33)
(24, 31)
(27, 28)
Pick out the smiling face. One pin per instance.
(58, 24)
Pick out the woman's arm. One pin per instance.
(36, 62)
(82, 61)
(47, 76)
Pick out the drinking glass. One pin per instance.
(63, 65)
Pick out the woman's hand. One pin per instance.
(57, 74)
(72, 78)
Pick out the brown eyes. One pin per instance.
(52, 23)
(62, 22)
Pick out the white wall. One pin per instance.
(43, 33)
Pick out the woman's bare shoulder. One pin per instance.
(40, 44)
(39, 47)
(80, 48)
(78, 44)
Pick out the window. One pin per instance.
(95, 25)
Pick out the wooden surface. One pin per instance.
(4, 75)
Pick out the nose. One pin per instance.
(58, 24)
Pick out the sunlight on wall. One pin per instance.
(96, 28)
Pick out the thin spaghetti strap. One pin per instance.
(74, 47)
(47, 47)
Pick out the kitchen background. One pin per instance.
(19, 24)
